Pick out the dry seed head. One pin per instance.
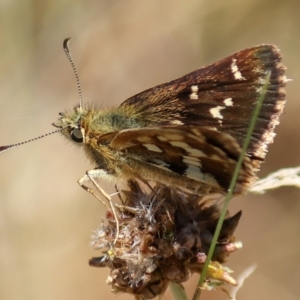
(164, 236)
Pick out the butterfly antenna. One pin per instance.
(8, 147)
(69, 56)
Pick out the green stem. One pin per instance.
(178, 291)
(246, 143)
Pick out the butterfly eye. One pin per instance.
(76, 135)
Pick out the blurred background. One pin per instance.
(121, 48)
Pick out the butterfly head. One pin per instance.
(70, 124)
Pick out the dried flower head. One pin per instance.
(164, 235)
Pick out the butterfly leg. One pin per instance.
(91, 175)
(118, 193)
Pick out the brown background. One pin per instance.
(121, 48)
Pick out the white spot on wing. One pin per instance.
(180, 145)
(194, 88)
(162, 138)
(194, 161)
(228, 102)
(174, 137)
(194, 95)
(235, 70)
(216, 112)
(196, 152)
(152, 147)
(195, 173)
(176, 122)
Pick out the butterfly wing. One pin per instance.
(222, 96)
(202, 155)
